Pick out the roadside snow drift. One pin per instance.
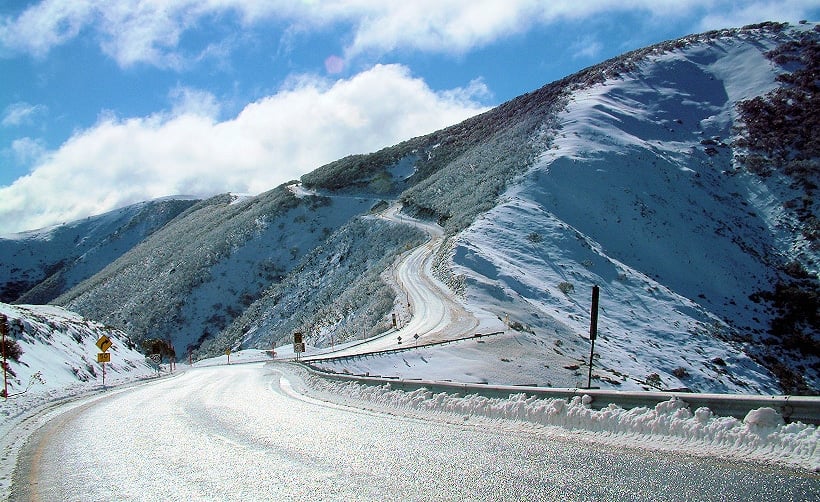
(762, 436)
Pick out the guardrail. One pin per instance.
(319, 358)
(804, 409)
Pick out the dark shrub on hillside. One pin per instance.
(12, 350)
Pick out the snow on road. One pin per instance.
(436, 314)
(245, 432)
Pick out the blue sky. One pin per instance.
(108, 102)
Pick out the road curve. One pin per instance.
(245, 432)
(436, 314)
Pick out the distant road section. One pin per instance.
(437, 315)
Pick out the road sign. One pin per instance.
(104, 343)
(103, 357)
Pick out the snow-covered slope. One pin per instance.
(648, 176)
(190, 280)
(639, 193)
(59, 356)
(40, 265)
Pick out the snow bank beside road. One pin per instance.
(761, 437)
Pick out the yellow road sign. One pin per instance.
(104, 343)
(103, 357)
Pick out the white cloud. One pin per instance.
(21, 114)
(45, 25)
(273, 140)
(149, 31)
(27, 151)
(743, 13)
(187, 100)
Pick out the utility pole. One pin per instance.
(593, 330)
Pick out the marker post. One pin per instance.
(593, 330)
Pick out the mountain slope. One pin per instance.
(636, 175)
(39, 266)
(642, 193)
(59, 356)
(659, 175)
(188, 281)
(334, 295)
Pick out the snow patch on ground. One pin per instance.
(669, 426)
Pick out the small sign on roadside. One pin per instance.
(103, 357)
(104, 343)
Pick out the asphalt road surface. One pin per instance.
(242, 432)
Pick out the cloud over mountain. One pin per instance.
(136, 31)
(310, 122)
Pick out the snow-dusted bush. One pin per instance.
(777, 138)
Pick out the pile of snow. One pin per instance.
(762, 436)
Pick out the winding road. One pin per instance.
(260, 432)
(248, 432)
(436, 314)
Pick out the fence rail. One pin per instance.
(804, 409)
(476, 336)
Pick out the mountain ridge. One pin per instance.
(523, 240)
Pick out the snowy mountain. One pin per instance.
(189, 280)
(646, 190)
(679, 178)
(39, 266)
(664, 177)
